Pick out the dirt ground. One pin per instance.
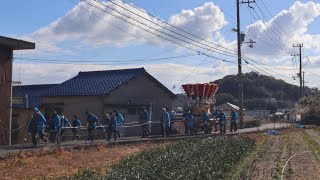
(59, 162)
(277, 150)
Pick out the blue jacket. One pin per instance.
(234, 117)
(37, 123)
(222, 118)
(92, 119)
(144, 117)
(57, 123)
(120, 119)
(114, 123)
(66, 122)
(76, 123)
(189, 119)
(165, 117)
(204, 117)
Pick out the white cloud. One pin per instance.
(276, 36)
(82, 25)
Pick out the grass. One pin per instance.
(188, 159)
(314, 146)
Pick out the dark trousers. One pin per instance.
(222, 128)
(109, 133)
(165, 129)
(90, 134)
(62, 135)
(145, 130)
(76, 134)
(115, 133)
(205, 127)
(233, 127)
(54, 137)
(190, 130)
(34, 137)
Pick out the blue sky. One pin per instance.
(64, 32)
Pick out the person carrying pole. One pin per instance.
(164, 122)
(36, 126)
(54, 128)
(222, 121)
(144, 119)
(189, 122)
(91, 126)
(205, 120)
(114, 126)
(76, 123)
(64, 124)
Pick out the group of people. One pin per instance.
(110, 123)
(56, 126)
(219, 117)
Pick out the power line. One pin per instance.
(204, 46)
(125, 20)
(175, 27)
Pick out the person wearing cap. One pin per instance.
(91, 126)
(234, 121)
(36, 126)
(76, 123)
(64, 124)
(144, 119)
(164, 123)
(120, 122)
(205, 120)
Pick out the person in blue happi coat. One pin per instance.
(189, 122)
(205, 120)
(65, 123)
(54, 128)
(222, 121)
(91, 126)
(234, 121)
(120, 122)
(144, 119)
(36, 126)
(165, 123)
(76, 123)
(114, 126)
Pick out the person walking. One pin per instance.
(114, 126)
(144, 119)
(234, 121)
(107, 124)
(76, 123)
(54, 128)
(120, 122)
(65, 123)
(91, 126)
(222, 121)
(165, 123)
(205, 120)
(189, 122)
(36, 126)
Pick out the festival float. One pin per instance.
(201, 97)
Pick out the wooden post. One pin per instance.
(7, 45)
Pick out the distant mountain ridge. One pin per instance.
(259, 91)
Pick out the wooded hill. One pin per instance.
(259, 91)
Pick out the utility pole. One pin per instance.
(303, 82)
(300, 68)
(240, 39)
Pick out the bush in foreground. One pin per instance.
(188, 159)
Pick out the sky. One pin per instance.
(176, 41)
